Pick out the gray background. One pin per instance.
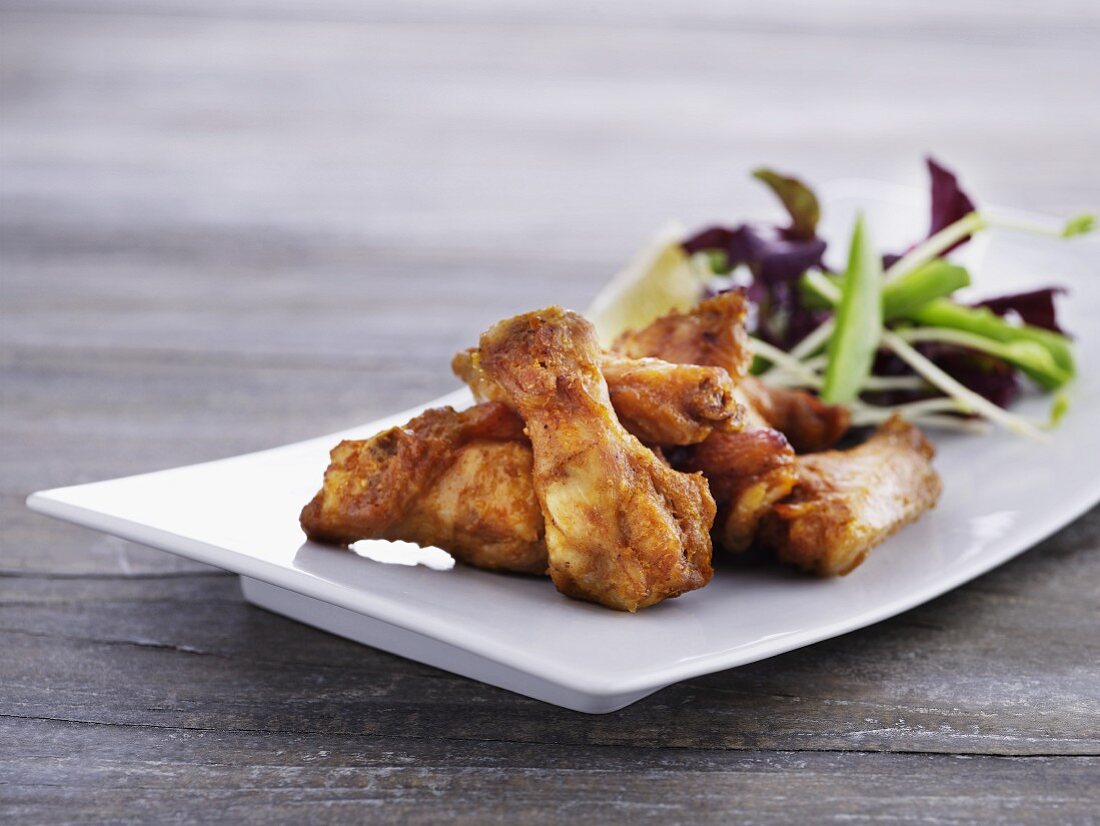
(226, 225)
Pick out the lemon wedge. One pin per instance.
(661, 278)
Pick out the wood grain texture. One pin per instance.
(137, 772)
(228, 225)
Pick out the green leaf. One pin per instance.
(1079, 225)
(851, 349)
(1036, 361)
(718, 261)
(1059, 409)
(798, 199)
(819, 291)
(1030, 356)
(911, 291)
(983, 322)
(900, 298)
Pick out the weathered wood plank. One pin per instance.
(129, 775)
(850, 19)
(34, 546)
(439, 134)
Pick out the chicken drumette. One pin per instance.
(622, 528)
(846, 502)
(458, 481)
(748, 470)
(713, 334)
(663, 404)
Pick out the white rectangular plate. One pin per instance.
(1002, 494)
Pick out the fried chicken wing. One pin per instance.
(622, 528)
(748, 472)
(713, 334)
(808, 423)
(458, 481)
(466, 364)
(671, 404)
(661, 403)
(846, 502)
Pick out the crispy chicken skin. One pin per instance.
(458, 481)
(808, 423)
(848, 501)
(748, 470)
(622, 528)
(663, 404)
(466, 364)
(713, 334)
(671, 404)
(748, 473)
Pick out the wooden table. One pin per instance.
(227, 225)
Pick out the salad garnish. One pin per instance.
(888, 334)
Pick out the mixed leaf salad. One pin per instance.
(886, 334)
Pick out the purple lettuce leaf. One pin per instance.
(1035, 307)
(776, 263)
(739, 245)
(949, 202)
(781, 260)
(776, 257)
(772, 257)
(986, 375)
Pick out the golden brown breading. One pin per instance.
(661, 403)
(848, 501)
(748, 472)
(671, 404)
(713, 334)
(808, 423)
(622, 528)
(466, 364)
(458, 481)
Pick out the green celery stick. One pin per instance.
(851, 349)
